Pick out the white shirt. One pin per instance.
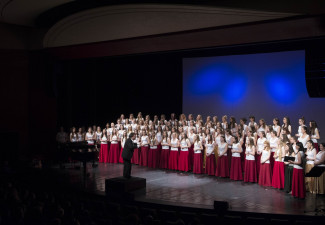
(197, 147)
(260, 144)
(174, 142)
(249, 157)
(273, 143)
(236, 147)
(104, 140)
(297, 166)
(210, 148)
(303, 140)
(165, 142)
(222, 148)
(311, 154)
(184, 145)
(265, 155)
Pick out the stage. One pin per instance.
(187, 189)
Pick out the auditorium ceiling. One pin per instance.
(69, 22)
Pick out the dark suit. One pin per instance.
(127, 154)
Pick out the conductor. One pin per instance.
(127, 154)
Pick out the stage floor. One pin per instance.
(187, 189)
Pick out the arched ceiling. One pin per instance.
(48, 12)
(71, 22)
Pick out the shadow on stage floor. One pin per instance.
(198, 191)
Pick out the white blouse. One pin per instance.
(260, 144)
(210, 148)
(236, 147)
(265, 155)
(197, 147)
(249, 157)
(174, 142)
(311, 154)
(222, 148)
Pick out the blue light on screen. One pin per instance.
(266, 85)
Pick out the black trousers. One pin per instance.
(127, 168)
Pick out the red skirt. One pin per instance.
(236, 172)
(258, 163)
(164, 157)
(250, 171)
(135, 158)
(114, 153)
(198, 163)
(153, 158)
(103, 153)
(173, 160)
(210, 165)
(278, 175)
(183, 161)
(191, 156)
(272, 160)
(144, 156)
(222, 167)
(265, 178)
(298, 183)
(121, 159)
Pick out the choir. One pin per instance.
(250, 152)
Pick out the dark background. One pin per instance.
(42, 92)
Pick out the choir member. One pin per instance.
(250, 164)
(298, 176)
(236, 167)
(233, 125)
(123, 139)
(183, 160)
(301, 122)
(144, 148)
(260, 147)
(276, 126)
(173, 154)
(114, 150)
(278, 169)
(80, 135)
(286, 124)
(103, 152)
(265, 176)
(164, 156)
(261, 126)
(304, 137)
(73, 135)
(224, 123)
(90, 136)
(252, 122)
(153, 157)
(314, 133)
(210, 165)
(273, 145)
(310, 157)
(288, 169)
(223, 163)
(320, 162)
(198, 159)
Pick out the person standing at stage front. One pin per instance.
(198, 158)
(127, 154)
(236, 172)
(265, 178)
(173, 154)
